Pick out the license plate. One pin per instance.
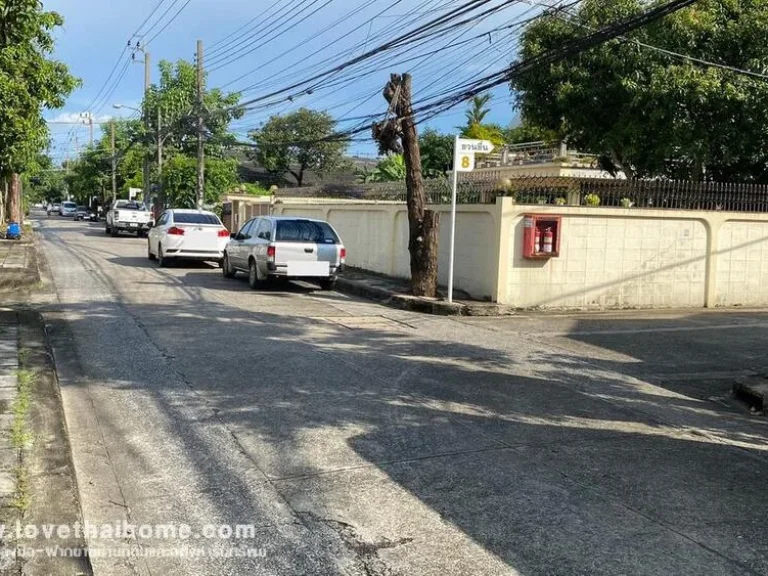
(133, 224)
(309, 269)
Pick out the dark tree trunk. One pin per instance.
(14, 199)
(422, 223)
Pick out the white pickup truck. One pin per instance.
(128, 216)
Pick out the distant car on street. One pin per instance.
(128, 216)
(68, 208)
(81, 213)
(285, 247)
(187, 235)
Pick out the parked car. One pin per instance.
(285, 247)
(67, 208)
(128, 216)
(81, 213)
(188, 235)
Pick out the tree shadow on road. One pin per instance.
(550, 465)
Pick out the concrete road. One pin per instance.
(361, 440)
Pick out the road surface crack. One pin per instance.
(365, 554)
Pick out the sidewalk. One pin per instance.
(10, 454)
(395, 292)
(18, 263)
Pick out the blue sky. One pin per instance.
(273, 52)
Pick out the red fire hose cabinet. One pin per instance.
(541, 236)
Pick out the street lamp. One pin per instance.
(119, 106)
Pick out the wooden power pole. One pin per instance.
(200, 128)
(399, 135)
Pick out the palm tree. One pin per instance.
(478, 109)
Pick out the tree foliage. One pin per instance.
(298, 142)
(475, 127)
(180, 178)
(176, 95)
(651, 114)
(391, 168)
(30, 81)
(436, 153)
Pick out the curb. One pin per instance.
(416, 303)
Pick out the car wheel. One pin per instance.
(149, 252)
(255, 279)
(162, 261)
(226, 267)
(107, 230)
(113, 232)
(327, 283)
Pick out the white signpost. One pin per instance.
(463, 161)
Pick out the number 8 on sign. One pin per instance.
(465, 162)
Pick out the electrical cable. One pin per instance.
(165, 27)
(242, 55)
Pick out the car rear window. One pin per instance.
(130, 206)
(192, 218)
(305, 231)
(69, 205)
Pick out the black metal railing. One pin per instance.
(555, 190)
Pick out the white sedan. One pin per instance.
(188, 235)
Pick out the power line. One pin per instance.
(173, 18)
(147, 19)
(257, 32)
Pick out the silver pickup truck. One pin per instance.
(128, 216)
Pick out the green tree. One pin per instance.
(647, 113)
(176, 95)
(91, 174)
(476, 128)
(527, 132)
(180, 178)
(297, 142)
(30, 82)
(492, 132)
(436, 153)
(478, 109)
(389, 169)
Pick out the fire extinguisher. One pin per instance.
(549, 238)
(537, 240)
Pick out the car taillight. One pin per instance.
(176, 231)
(223, 233)
(343, 253)
(271, 253)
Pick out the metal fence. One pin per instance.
(661, 194)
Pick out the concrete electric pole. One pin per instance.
(114, 163)
(200, 128)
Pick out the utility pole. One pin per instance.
(147, 185)
(160, 192)
(200, 128)
(88, 119)
(114, 164)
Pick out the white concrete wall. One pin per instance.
(611, 261)
(610, 257)
(376, 237)
(742, 264)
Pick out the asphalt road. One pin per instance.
(362, 440)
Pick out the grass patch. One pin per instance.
(20, 434)
(22, 499)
